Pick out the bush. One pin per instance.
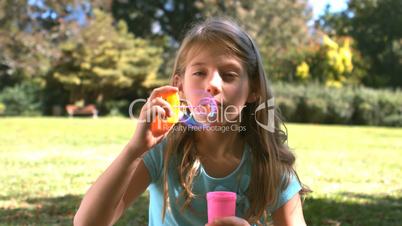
(340, 105)
(366, 107)
(390, 108)
(315, 103)
(314, 109)
(2, 108)
(393, 120)
(22, 99)
(287, 99)
(116, 107)
(286, 106)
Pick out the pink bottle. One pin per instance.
(221, 204)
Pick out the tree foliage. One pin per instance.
(102, 58)
(27, 45)
(278, 26)
(375, 25)
(156, 17)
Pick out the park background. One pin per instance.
(336, 76)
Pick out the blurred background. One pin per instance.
(335, 67)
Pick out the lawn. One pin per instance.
(47, 164)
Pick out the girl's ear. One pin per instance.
(178, 82)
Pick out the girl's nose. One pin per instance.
(214, 84)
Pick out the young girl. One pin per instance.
(235, 152)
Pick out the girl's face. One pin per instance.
(212, 76)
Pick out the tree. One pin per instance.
(375, 25)
(13, 18)
(28, 39)
(24, 56)
(156, 17)
(102, 58)
(279, 26)
(332, 63)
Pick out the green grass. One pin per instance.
(47, 164)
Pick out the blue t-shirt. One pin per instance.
(237, 181)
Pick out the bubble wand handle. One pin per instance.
(161, 126)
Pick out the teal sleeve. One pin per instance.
(153, 160)
(290, 191)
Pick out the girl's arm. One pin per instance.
(290, 214)
(123, 181)
(134, 189)
(126, 178)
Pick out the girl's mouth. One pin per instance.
(208, 107)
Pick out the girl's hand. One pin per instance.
(229, 221)
(143, 138)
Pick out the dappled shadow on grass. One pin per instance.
(61, 210)
(42, 211)
(354, 209)
(137, 213)
(346, 209)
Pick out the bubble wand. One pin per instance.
(160, 126)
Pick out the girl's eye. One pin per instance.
(199, 73)
(229, 76)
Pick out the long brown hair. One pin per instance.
(272, 159)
